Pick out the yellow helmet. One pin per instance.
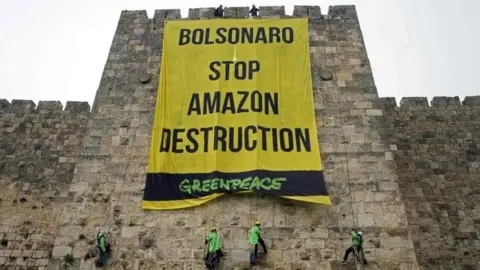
(257, 222)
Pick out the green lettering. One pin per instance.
(249, 183)
(185, 186)
(277, 183)
(196, 187)
(246, 183)
(214, 184)
(269, 181)
(256, 183)
(235, 183)
(206, 185)
(224, 184)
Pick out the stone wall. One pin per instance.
(437, 154)
(405, 175)
(38, 150)
(109, 178)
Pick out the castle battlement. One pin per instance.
(407, 173)
(472, 102)
(49, 106)
(312, 12)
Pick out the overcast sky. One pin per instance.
(56, 49)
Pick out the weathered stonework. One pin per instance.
(39, 147)
(437, 155)
(407, 176)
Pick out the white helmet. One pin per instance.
(100, 233)
(360, 233)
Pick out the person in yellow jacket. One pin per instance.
(255, 237)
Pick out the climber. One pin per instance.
(255, 237)
(254, 11)
(357, 244)
(218, 12)
(214, 245)
(103, 247)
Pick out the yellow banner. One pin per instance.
(234, 113)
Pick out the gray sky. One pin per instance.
(56, 49)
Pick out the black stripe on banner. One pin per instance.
(166, 186)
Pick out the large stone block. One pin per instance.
(60, 251)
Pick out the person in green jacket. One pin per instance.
(214, 244)
(255, 237)
(357, 243)
(103, 247)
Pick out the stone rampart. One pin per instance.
(406, 175)
(39, 146)
(436, 149)
(363, 184)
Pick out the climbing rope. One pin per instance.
(209, 226)
(344, 142)
(252, 220)
(346, 164)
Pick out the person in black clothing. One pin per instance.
(218, 12)
(254, 11)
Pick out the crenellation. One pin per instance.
(193, 13)
(200, 13)
(127, 15)
(28, 106)
(386, 102)
(414, 102)
(271, 11)
(167, 14)
(4, 105)
(472, 101)
(22, 104)
(136, 19)
(50, 105)
(445, 101)
(236, 12)
(437, 103)
(77, 106)
(312, 12)
(343, 12)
